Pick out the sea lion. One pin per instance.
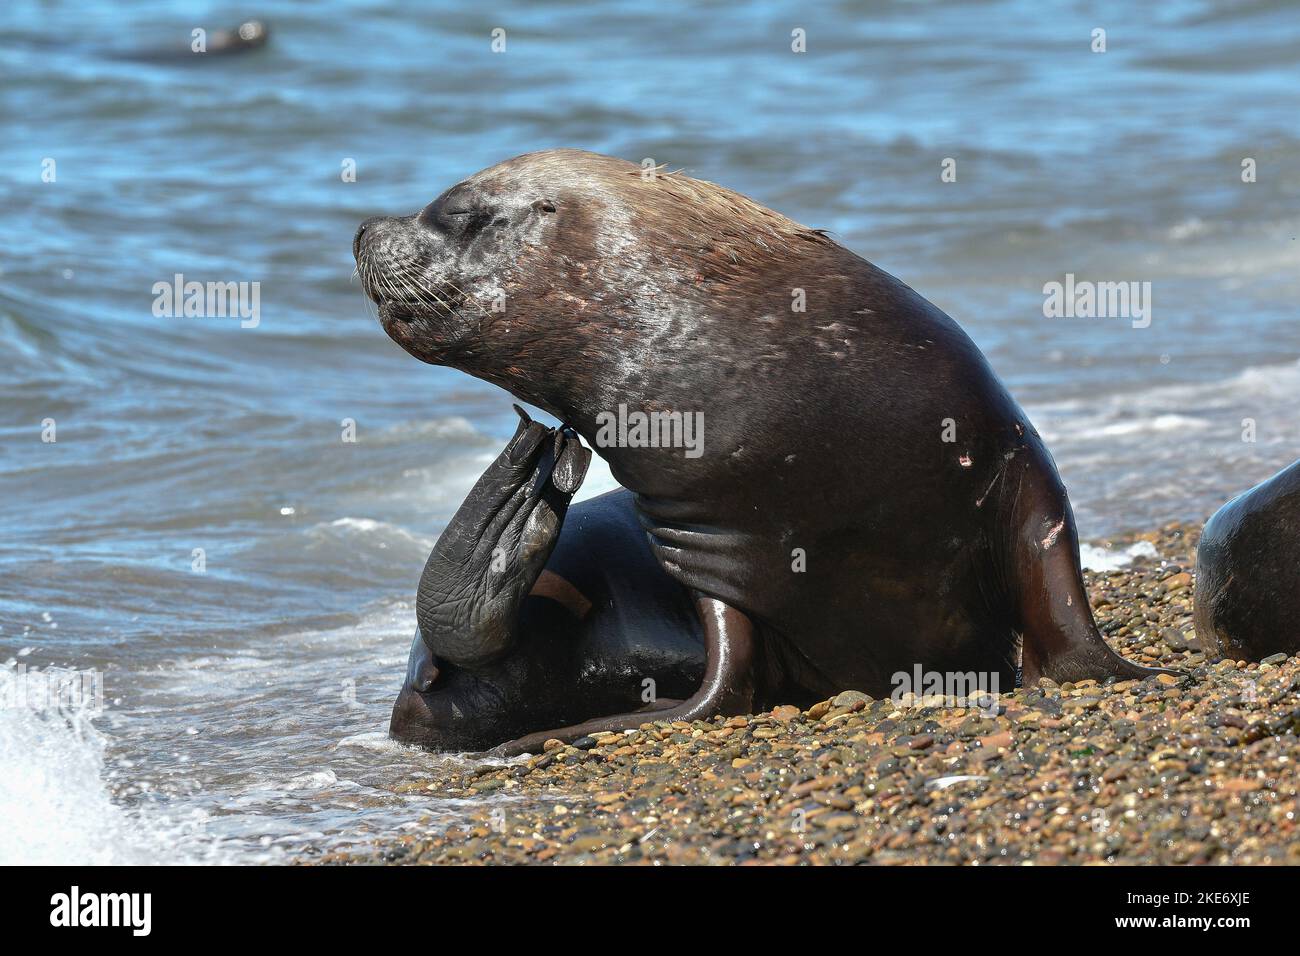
(1246, 602)
(869, 499)
(248, 36)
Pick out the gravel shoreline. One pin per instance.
(1198, 768)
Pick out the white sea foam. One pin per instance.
(1155, 423)
(1165, 408)
(380, 530)
(1095, 558)
(311, 780)
(54, 792)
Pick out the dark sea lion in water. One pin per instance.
(248, 36)
(869, 498)
(1247, 598)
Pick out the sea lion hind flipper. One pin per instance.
(727, 687)
(1060, 638)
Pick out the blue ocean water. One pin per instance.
(246, 704)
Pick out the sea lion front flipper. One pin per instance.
(495, 547)
(727, 688)
(1060, 638)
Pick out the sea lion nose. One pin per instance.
(422, 670)
(425, 677)
(356, 240)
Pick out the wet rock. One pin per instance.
(851, 699)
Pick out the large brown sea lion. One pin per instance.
(867, 500)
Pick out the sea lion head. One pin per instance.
(250, 34)
(448, 708)
(564, 260)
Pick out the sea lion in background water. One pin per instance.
(248, 36)
(869, 499)
(1247, 597)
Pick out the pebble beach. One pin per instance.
(1197, 768)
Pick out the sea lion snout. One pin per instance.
(406, 272)
(386, 248)
(361, 231)
(443, 707)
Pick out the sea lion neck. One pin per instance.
(582, 368)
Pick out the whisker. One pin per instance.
(406, 282)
